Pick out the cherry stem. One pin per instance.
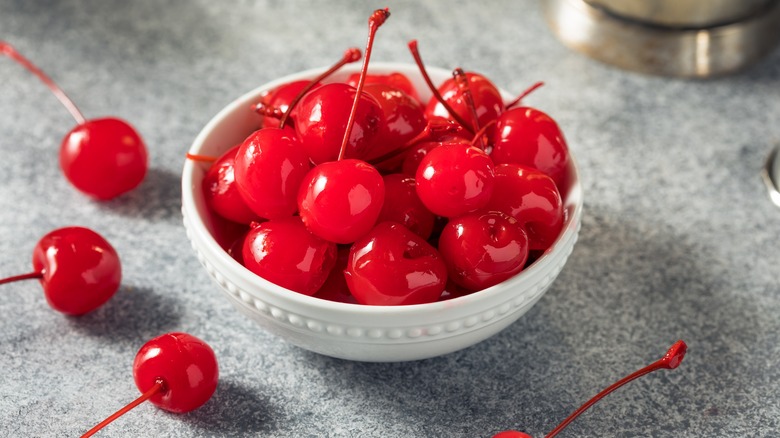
(418, 60)
(27, 276)
(350, 55)
(158, 386)
(671, 360)
(374, 21)
(462, 81)
(10, 51)
(201, 158)
(481, 133)
(524, 94)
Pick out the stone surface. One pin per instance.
(679, 239)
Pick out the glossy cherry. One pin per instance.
(392, 266)
(285, 253)
(77, 268)
(280, 98)
(269, 167)
(529, 137)
(488, 103)
(483, 249)
(454, 179)
(670, 360)
(395, 79)
(323, 116)
(283, 100)
(176, 372)
(414, 154)
(341, 200)
(221, 191)
(530, 197)
(402, 205)
(104, 157)
(404, 119)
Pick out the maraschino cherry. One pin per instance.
(103, 158)
(532, 198)
(671, 360)
(392, 266)
(176, 372)
(340, 200)
(483, 249)
(285, 253)
(78, 269)
(529, 137)
(454, 179)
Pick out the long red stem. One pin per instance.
(8, 50)
(350, 55)
(671, 360)
(462, 81)
(158, 386)
(374, 21)
(418, 60)
(524, 94)
(21, 277)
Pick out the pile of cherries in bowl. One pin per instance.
(318, 216)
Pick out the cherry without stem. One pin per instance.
(670, 360)
(77, 268)
(176, 372)
(103, 158)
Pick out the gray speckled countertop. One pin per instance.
(679, 239)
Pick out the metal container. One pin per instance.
(686, 38)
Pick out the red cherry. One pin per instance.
(404, 119)
(340, 201)
(176, 372)
(454, 179)
(284, 99)
(392, 266)
(488, 103)
(529, 137)
(280, 98)
(483, 249)
(78, 269)
(221, 191)
(395, 79)
(671, 360)
(285, 253)
(103, 158)
(323, 115)
(402, 205)
(187, 367)
(269, 167)
(531, 197)
(512, 434)
(415, 154)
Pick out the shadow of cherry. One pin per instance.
(235, 409)
(132, 315)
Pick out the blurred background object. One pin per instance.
(684, 38)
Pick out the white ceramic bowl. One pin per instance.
(351, 331)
